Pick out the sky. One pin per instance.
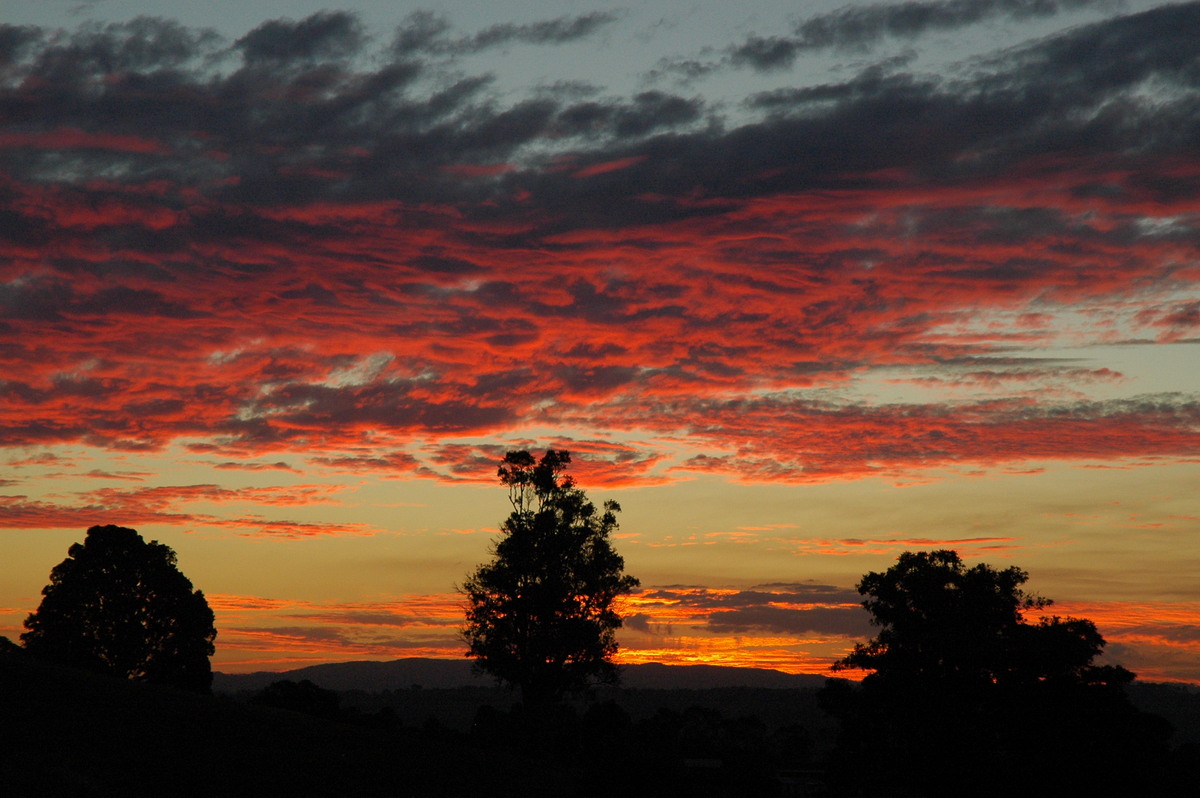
(801, 286)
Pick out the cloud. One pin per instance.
(594, 463)
(818, 442)
(160, 496)
(561, 30)
(786, 609)
(782, 592)
(310, 246)
(395, 463)
(1158, 640)
(893, 546)
(247, 466)
(859, 29)
(1180, 322)
(845, 621)
(280, 631)
(425, 31)
(1038, 378)
(167, 505)
(322, 36)
(132, 476)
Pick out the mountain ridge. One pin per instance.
(398, 674)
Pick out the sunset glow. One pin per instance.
(801, 293)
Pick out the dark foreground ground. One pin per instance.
(67, 733)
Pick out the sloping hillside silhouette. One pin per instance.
(399, 674)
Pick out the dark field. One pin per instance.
(68, 733)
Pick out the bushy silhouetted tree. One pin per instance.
(963, 685)
(120, 605)
(540, 615)
(943, 622)
(303, 696)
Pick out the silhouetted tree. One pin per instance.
(944, 622)
(120, 605)
(963, 684)
(540, 615)
(302, 696)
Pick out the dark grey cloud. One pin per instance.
(640, 622)
(652, 110)
(684, 70)
(16, 41)
(139, 45)
(872, 81)
(785, 608)
(322, 36)
(845, 621)
(428, 32)
(50, 300)
(421, 30)
(1102, 67)
(393, 461)
(446, 265)
(296, 411)
(759, 596)
(765, 53)
(858, 27)
(562, 30)
(289, 127)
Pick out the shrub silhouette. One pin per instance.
(119, 605)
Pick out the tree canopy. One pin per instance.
(302, 696)
(120, 605)
(942, 621)
(962, 683)
(540, 615)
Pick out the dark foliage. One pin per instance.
(540, 615)
(119, 605)
(940, 621)
(963, 685)
(604, 751)
(303, 696)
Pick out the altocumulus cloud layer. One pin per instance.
(318, 246)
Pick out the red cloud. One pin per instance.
(354, 297)
(165, 505)
(609, 166)
(75, 139)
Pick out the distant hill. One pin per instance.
(400, 674)
(732, 689)
(653, 676)
(369, 676)
(72, 733)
